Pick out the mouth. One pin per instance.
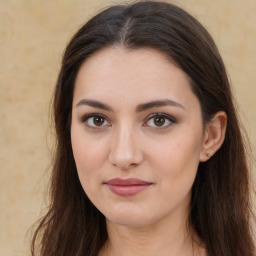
(127, 187)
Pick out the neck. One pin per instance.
(128, 241)
(168, 237)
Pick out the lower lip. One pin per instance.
(128, 190)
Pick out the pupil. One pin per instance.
(98, 121)
(159, 121)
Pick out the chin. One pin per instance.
(130, 219)
(131, 222)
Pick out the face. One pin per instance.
(136, 135)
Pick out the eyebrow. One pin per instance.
(139, 108)
(158, 103)
(94, 103)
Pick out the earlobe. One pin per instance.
(214, 135)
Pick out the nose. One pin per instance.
(125, 151)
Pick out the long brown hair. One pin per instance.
(220, 203)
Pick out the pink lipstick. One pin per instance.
(127, 187)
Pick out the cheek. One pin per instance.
(89, 154)
(89, 157)
(176, 168)
(177, 158)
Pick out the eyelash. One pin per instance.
(163, 116)
(85, 119)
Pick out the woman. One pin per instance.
(149, 159)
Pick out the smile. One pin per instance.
(127, 187)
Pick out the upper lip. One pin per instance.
(127, 182)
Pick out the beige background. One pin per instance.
(33, 34)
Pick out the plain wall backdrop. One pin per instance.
(33, 35)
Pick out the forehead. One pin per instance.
(132, 76)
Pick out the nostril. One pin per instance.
(126, 159)
(125, 152)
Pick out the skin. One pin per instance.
(128, 142)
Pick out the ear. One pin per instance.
(214, 135)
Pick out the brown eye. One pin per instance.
(95, 121)
(159, 121)
(98, 120)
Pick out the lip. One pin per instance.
(127, 187)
